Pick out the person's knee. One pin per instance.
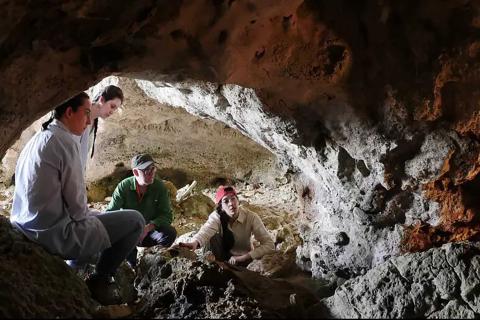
(137, 219)
(165, 235)
(171, 235)
(170, 232)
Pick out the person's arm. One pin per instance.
(84, 147)
(72, 182)
(164, 210)
(207, 230)
(190, 245)
(117, 202)
(261, 235)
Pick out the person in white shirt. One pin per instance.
(103, 106)
(50, 202)
(229, 229)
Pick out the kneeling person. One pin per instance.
(148, 195)
(229, 229)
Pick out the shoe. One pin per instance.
(110, 279)
(131, 264)
(103, 290)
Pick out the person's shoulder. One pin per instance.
(251, 215)
(127, 182)
(214, 215)
(62, 139)
(47, 141)
(44, 137)
(160, 184)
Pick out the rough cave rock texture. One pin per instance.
(374, 105)
(180, 287)
(440, 283)
(35, 284)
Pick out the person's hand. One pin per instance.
(148, 228)
(239, 259)
(189, 245)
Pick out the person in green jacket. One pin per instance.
(148, 195)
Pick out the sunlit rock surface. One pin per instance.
(186, 147)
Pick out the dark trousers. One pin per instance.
(215, 245)
(162, 235)
(124, 227)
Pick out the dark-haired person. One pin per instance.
(148, 195)
(229, 229)
(103, 106)
(50, 203)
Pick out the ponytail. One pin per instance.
(95, 127)
(227, 235)
(46, 123)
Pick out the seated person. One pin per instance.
(148, 195)
(229, 229)
(50, 201)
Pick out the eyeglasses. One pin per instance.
(148, 170)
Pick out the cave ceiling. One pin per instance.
(301, 57)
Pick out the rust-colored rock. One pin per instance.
(456, 191)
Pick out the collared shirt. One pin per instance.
(50, 201)
(247, 224)
(154, 205)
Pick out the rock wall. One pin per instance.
(440, 283)
(373, 104)
(186, 147)
(35, 284)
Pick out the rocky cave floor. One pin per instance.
(171, 283)
(438, 283)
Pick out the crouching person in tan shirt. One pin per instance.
(229, 229)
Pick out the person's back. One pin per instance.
(47, 198)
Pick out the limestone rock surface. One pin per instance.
(438, 283)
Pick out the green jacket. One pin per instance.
(155, 205)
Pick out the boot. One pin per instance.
(103, 289)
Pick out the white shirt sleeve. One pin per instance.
(73, 186)
(261, 235)
(208, 229)
(85, 147)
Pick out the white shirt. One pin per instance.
(50, 202)
(85, 144)
(247, 224)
